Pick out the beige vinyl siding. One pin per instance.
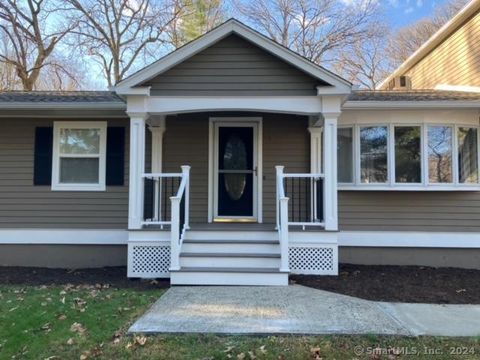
(23, 205)
(285, 142)
(409, 211)
(456, 61)
(233, 66)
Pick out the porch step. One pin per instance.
(223, 260)
(231, 235)
(229, 276)
(231, 246)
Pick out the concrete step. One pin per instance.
(240, 260)
(229, 276)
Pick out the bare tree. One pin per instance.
(196, 17)
(408, 39)
(315, 29)
(117, 33)
(364, 63)
(31, 32)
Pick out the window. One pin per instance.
(440, 149)
(408, 154)
(373, 154)
(79, 150)
(467, 155)
(345, 155)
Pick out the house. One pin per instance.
(234, 160)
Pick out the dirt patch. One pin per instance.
(115, 276)
(415, 284)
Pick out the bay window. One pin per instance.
(345, 155)
(373, 154)
(440, 151)
(408, 156)
(79, 151)
(408, 167)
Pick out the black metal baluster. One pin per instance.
(293, 199)
(164, 198)
(307, 200)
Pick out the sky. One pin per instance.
(404, 12)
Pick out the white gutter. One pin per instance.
(447, 29)
(30, 105)
(399, 105)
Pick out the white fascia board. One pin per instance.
(445, 31)
(410, 239)
(215, 35)
(278, 104)
(64, 237)
(144, 90)
(63, 106)
(399, 105)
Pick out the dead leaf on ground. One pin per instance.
(62, 317)
(78, 328)
(70, 341)
(241, 356)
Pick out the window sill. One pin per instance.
(408, 188)
(78, 187)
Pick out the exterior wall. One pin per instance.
(436, 257)
(456, 61)
(285, 142)
(63, 256)
(23, 205)
(409, 211)
(233, 66)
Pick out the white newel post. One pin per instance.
(330, 171)
(137, 168)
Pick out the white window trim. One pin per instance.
(391, 185)
(57, 126)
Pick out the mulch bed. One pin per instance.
(114, 276)
(381, 283)
(416, 284)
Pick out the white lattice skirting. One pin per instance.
(315, 259)
(148, 260)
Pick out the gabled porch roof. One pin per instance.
(133, 84)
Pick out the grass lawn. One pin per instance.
(90, 321)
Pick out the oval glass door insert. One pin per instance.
(235, 158)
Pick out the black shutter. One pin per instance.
(42, 165)
(115, 156)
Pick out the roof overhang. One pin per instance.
(25, 105)
(446, 30)
(407, 105)
(129, 86)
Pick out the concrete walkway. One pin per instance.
(298, 310)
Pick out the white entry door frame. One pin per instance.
(213, 146)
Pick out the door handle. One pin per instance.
(255, 171)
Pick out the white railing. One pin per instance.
(305, 203)
(305, 192)
(282, 220)
(163, 185)
(179, 218)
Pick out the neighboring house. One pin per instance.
(218, 163)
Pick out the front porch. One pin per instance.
(210, 216)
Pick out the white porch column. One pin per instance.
(330, 171)
(137, 168)
(157, 128)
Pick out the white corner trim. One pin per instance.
(63, 237)
(411, 239)
(232, 27)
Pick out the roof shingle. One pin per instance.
(60, 97)
(413, 95)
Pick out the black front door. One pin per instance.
(235, 171)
